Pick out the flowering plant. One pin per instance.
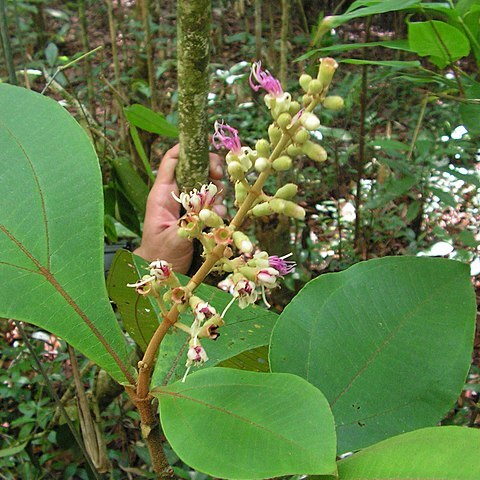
(344, 355)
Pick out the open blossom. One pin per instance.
(267, 277)
(264, 79)
(196, 355)
(144, 285)
(226, 136)
(203, 310)
(284, 267)
(245, 291)
(197, 200)
(160, 269)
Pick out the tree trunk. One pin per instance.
(193, 40)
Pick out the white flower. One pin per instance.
(203, 310)
(245, 291)
(267, 277)
(160, 269)
(196, 356)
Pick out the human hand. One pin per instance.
(160, 239)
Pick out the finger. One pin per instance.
(166, 170)
(216, 166)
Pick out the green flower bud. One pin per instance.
(304, 81)
(248, 272)
(307, 100)
(242, 242)
(263, 148)
(310, 121)
(283, 121)
(252, 155)
(326, 71)
(282, 163)
(301, 136)
(241, 193)
(278, 205)
(210, 218)
(236, 170)
(262, 209)
(334, 102)
(315, 87)
(183, 233)
(261, 164)
(315, 151)
(294, 150)
(294, 108)
(293, 210)
(287, 192)
(274, 133)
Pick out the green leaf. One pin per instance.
(150, 121)
(138, 316)
(393, 44)
(388, 341)
(367, 8)
(51, 229)
(51, 54)
(382, 63)
(446, 453)
(246, 425)
(10, 451)
(470, 113)
(133, 186)
(445, 197)
(442, 42)
(141, 152)
(393, 189)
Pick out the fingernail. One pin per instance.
(219, 170)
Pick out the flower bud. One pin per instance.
(252, 155)
(210, 218)
(315, 87)
(263, 148)
(261, 164)
(294, 150)
(334, 102)
(262, 209)
(294, 108)
(304, 81)
(274, 133)
(282, 163)
(307, 100)
(283, 121)
(287, 192)
(314, 151)
(301, 136)
(293, 210)
(278, 205)
(236, 170)
(248, 272)
(310, 121)
(241, 193)
(242, 242)
(183, 233)
(326, 71)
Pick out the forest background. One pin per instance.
(402, 174)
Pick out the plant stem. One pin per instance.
(361, 145)
(417, 127)
(145, 8)
(284, 41)
(58, 403)
(7, 49)
(258, 29)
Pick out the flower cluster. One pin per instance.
(250, 275)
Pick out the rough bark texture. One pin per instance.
(193, 37)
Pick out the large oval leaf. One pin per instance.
(246, 425)
(446, 453)
(388, 341)
(51, 229)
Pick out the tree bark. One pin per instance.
(193, 49)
